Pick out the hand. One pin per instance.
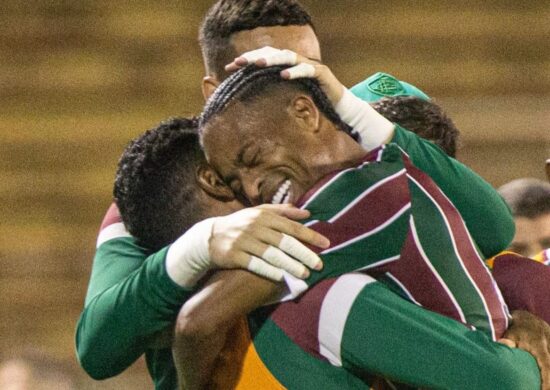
(304, 67)
(266, 240)
(533, 335)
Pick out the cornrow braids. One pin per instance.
(252, 81)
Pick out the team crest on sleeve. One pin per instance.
(386, 85)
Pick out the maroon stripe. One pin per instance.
(468, 253)
(370, 212)
(299, 319)
(370, 156)
(112, 216)
(417, 277)
(524, 284)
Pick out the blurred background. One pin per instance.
(79, 79)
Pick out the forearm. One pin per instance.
(485, 213)
(204, 320)
(388, 336)
(118, 324)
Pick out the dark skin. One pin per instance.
(297, 143)
(298, 150)
(205, 320)
(258, 291)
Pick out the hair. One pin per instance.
(227, 17)
(252, 82)
(422, 117)
(155, 185)
(527, 197)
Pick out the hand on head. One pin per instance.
(300, 67)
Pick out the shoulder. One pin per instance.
(112, 227)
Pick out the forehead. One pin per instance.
(225, 137)
(301, 39)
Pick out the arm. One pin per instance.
(205, 319)
(130, 297)
(485, 213)
(389, 336)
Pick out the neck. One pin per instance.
(344, 151)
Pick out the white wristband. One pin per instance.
(373, 129)
(187, 260)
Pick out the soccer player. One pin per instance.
(277, 153)
(397, 330)
(231, 27)
(119, 260)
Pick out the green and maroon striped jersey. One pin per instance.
(387, 218)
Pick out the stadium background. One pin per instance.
(78, 79)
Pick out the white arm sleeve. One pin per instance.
(373, 129)
(187, 260)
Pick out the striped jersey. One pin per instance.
(387, 218)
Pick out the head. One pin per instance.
(156, 187)
(422, 117)
(260, 132)
(233, 27)
(529, 200)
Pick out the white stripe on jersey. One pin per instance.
(366, 192)
(473, 247)
(334, 314)
(380, 227)
(116, 230)
(434, 271)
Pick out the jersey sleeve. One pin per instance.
(130, 297)
(485, 213)
(389, 336)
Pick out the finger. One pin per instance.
(279, 259)
(277, 57)
(298, 231)
(299, 71)
(260, 267)
(275, 257)
(232, 67)
(286, 210)
(254, 55)
(301, 252)
(249, 57)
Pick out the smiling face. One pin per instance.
(274, 149)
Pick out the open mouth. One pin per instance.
(283, 193)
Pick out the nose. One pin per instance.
(251, 182)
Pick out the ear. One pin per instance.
(304, 110)
(211, 183)
(209, 85)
